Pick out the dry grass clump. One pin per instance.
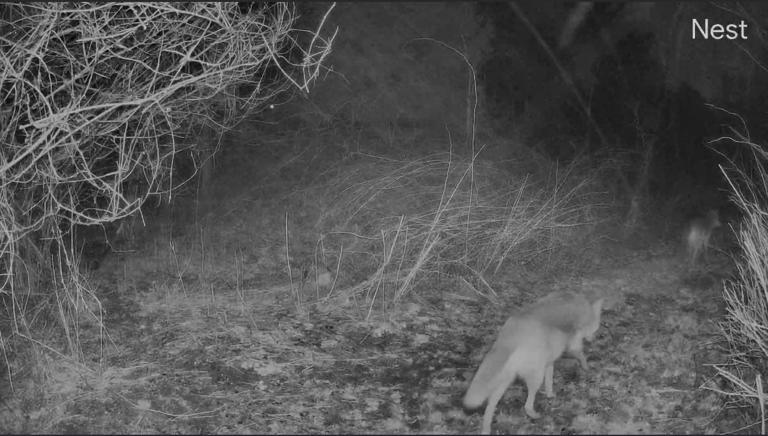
(409, 220)
(746, 327)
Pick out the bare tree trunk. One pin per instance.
(639, 192)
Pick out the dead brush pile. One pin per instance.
(98, 103)
(400, 222)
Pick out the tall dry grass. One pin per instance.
(746, 326)
(402, 223)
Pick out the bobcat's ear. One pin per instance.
(597, 306)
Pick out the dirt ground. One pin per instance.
(236, 357)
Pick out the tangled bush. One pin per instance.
(98, 100)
